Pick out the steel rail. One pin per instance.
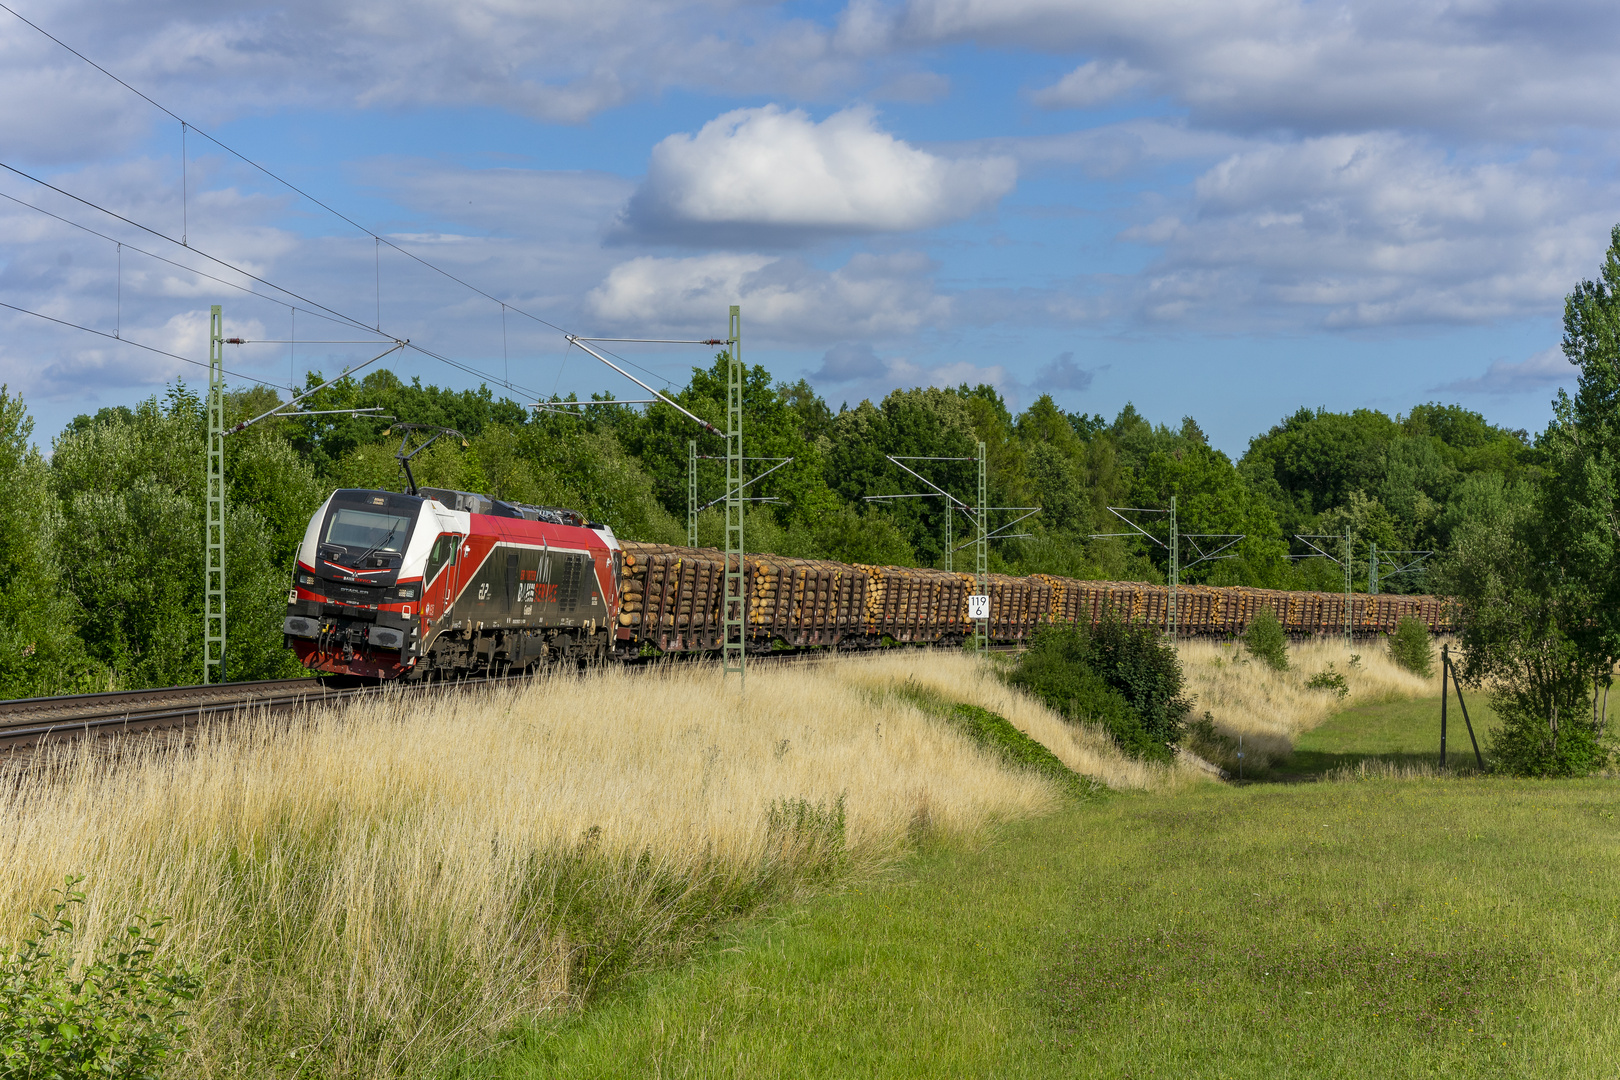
(29, 722)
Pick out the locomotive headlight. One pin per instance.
(407, 593)
(306, 579)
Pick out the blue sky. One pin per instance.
(1223, 210)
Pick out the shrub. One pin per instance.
(1266, 641)
(1124, 678)
(1536, 739)
(118, 1016)
(1411, 648)
(1141, 664)
(1329, 680)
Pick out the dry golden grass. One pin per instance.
(1270, 708)
(371, 889)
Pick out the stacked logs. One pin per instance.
(671, 591)
(1209, 610)
(804, 601)
(672, 597)
(907, 603)
(1018, 606)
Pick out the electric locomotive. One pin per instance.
(449, 583)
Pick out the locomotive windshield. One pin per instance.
(367, 530)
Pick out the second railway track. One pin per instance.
(30, 722)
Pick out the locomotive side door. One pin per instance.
(439, 588)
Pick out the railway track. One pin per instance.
(28, 723)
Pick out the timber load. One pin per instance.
(674, 600)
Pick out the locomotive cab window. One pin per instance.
(444, 550)
(367, 530)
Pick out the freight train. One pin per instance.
(447, 583)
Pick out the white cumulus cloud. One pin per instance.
(1372, 230)
(776, 173)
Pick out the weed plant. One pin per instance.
(1330, 680)
(119, 1014)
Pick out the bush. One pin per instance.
(1329, 680)
(1141, 664)
(1125, 678)
(1411, 648)
(118, 1016)
(1532, 740)
(1266, 641)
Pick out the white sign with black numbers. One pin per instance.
(978, 607)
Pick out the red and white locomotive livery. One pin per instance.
(448, 583)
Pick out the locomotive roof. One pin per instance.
(466, 501)
(391, 500)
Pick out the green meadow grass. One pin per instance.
(1400, 732)
(1434, 928)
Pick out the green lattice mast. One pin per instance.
(981, 557)
(1175, 566)
(214, 523)
(735, 598)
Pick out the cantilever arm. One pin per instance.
(346, 373)
(572, 340)
(761, 476)
(997, 535)
(958, 502)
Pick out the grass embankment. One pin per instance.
(371, 890)
(1266, 711)
(1458, 928)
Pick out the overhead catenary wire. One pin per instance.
(314, 305)
(167, 261)
(278, 178)
(377, 239)
(338, 316)
(137, 344)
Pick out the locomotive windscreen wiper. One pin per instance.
(379, 545)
